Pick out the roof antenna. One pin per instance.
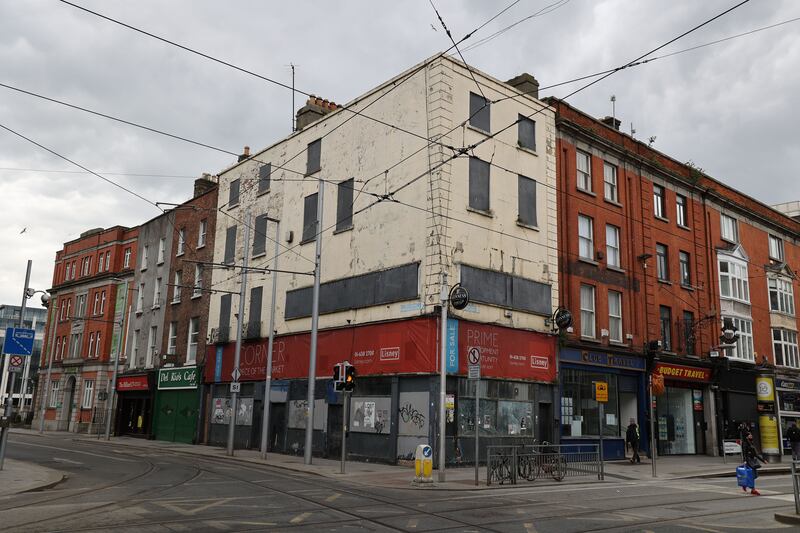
(633, 130)
(294, 123)
(614, 108)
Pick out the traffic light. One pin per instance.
(344, 377)
(349, 377)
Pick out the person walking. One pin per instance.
(793, 434)
(632, 438)
(751, 459)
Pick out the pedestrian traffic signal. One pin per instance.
(344, 377)
(349, 377)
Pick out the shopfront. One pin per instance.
(177, 405)
(580, 414)
(788, 390)
(680, 412)
(134, 411)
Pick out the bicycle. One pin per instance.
(553, 463)
(527, 465)
(500, 469)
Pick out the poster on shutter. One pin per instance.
(370, 415)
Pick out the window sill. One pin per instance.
(619, 344)
(587, 191)
(196, 296)
(731, 299)
(337, 231)
(259, 254)
(155, 307)
(588, 261)
(616, 269)
(139, 312)
(593, 340)
(488, 213)
(781, 313)
(687, 287)
(199, 246)
(306, 241)
(664, 281)
(477, 129)
(262, 193)
(233, 206)
(174, 302)
(612, 202)
(312, 172)
(729, 241)
(179, 254)
(527, 226)
(528, 150)
(143, 269)
(685, 228)
(160, 263)
(662, 219)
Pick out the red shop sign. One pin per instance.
(403, 347)
(507, 352)
(685, 373)
(130, 383)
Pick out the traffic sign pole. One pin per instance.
(345, 412)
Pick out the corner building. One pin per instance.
(485, 220)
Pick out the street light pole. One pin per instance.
(443, 380)
(112, 394)
(46, 392)
(312, 359)
(268, 379)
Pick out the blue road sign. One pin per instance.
(19, 341)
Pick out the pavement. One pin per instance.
(457, 478)
(20, 476)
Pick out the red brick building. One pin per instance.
(649, 278)
(89, 277)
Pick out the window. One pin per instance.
(585, 237)
(135, 349)
(144, 257)
(526, 132)
(615, 316)
(584, 166)
(176, 287)
(610, 182)
(662, 262)
(733, 282)
(587, 311)
(97, 345)
(80, 305)
(744, 346)
(63, 347)
(140, 298)
(57, 349)
(260, 236)
(152, 349)
(88, 394)
(253, 328)
(126, 261)
(100, 262)
(775, 248)
(108, 260)
(96, 306)
(665, 322)
(181, 241)
(344, 205)
(659, 201)
(729, 228)
(194, 332)
(688, 332)
(230, 246)
(479, 112)
(680, 210)
(612, 246)
(157, 293)
(91, 345)
(264, 174)
(69, 310)
(197, 289)
(686, 272)
(580, 415)
(784, 346)
(53, 400)
(781, 295)
(162, 245)
(73, 270)
(309, 217)
(233, 193)
(478, 184)
(314, 161)
(526, 198)
(201, 237)
(75, 345)
(173, 338)
(102, 302)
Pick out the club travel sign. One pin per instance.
(185, 377)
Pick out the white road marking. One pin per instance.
(529, 527)
(333, 497)
(82, 452)
(412, 523)
(190, 507)
(299, 518)
(62, 460)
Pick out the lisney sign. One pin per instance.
(185, 377)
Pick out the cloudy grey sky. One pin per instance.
(727, 107)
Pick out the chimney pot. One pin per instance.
(612, 122)
(244, 155)
(315, 109)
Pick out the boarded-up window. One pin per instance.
(309, 217)
(479, 112)
(260, 235)
(264, 174)
(375, 288)
(224, 312)
(526, 131)
(478, 184)
(230, 245)
(314, 153)
(506, 290)
(526, 192)
(233, 193)
(255, 306)
(344, 205)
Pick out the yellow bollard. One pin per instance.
(423, 464)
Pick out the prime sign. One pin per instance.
(178, 378)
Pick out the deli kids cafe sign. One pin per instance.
(178, 378)
(404, 347)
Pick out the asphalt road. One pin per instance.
(122, 489)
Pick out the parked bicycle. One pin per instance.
(534, 462)
(501, 469)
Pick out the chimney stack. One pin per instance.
(526, 84)
(612, 122)
(204, 184)
(315, 109)
(245, 154)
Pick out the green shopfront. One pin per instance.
(177, 405)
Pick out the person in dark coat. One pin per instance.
(751, 459)
(793, 434)
(632, 438)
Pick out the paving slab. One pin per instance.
(20, 476)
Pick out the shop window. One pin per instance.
(579, 411)
(675, 420)
(506, 408)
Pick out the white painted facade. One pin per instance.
(431, 100)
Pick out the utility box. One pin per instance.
(423, 464)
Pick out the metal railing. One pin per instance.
(512, 464)
(796, 485)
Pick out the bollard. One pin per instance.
(423, 465)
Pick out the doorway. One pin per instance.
(277, 427)
(66, 409)
(545, 425)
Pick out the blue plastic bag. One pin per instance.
(745, 477)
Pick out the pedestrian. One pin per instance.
(793, 434)
(751, 459)
(632, 438)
